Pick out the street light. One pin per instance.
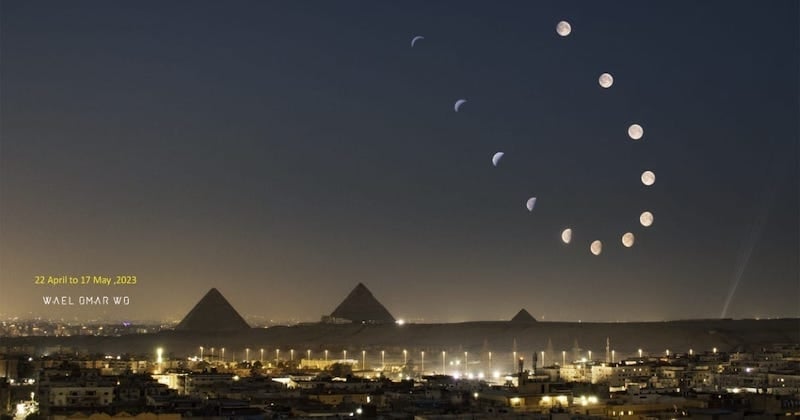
(466, 368)
(590, 355)
(308, 354)
(640, 353)
(542, 359)
(291, 355)
(262, 356)
(444, 357)
(563, 357)
(383, 360)
(490, 361)
(277, 355)
(363, 360)
(201, 352)
(405, 357)
(344, 354)
(422, 368)
(247, 355)
(612, 356)
(223, 354)
(326, 355)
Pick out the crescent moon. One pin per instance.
(496, 158)
(458, 104)
(415, 39)
(531, 203)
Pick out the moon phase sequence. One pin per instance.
(635, 132)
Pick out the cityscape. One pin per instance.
(471, 210)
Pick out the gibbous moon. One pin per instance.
(646, 219)
(531, 203)
(606, 80)
(648, 178)
(458, 104)
(563, 28)
(496, 158)
(596, 247)
(415, 39)
(635, 131)
(628, 239)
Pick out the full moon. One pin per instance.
(646, 219)
(627, 240)
(648, 178)
(635, 131)
(566, 236)
(563, 28)
(596, 247)
(606, 80)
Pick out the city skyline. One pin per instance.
(284, 154)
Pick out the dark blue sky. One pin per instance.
(285, 151)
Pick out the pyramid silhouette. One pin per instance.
(523, 317)
(361, 306)
(213, 313)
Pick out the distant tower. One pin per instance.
(608, 350)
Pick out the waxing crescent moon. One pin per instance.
(531, 203)
(458, 104)
(566, 236)
(628, 239)
(596, 248)
(496, 158)
(415, 39)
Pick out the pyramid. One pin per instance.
(523, 317)
(361, 306)
(213, 313)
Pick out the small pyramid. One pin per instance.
(213, 313)
(523, 317)
(361, 306)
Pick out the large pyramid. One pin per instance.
(361, 306)
(523, 316)
(213, 314)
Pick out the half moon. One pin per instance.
(531, 203)
(458, 104)
(496, 158)
(415, 39)
(563, 28)
(628, 239)
(646, 219)
(606, 80)
(566, 236)
(596, 248)
(635, 131)
(648, 178)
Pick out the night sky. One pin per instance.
(285, 151)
